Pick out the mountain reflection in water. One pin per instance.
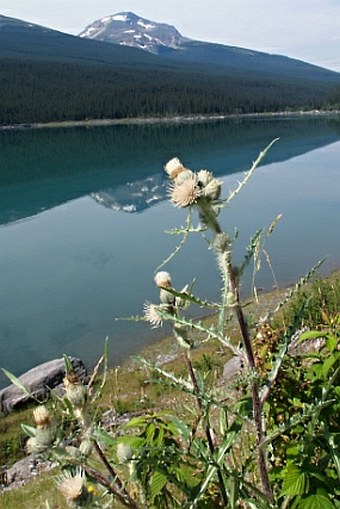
(121, 166)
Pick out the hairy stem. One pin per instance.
(257, 414)
(207, 428)
(120, 487)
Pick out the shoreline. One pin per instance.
(167, 120)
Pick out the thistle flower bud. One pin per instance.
(124, 452)
(181, 303)
(41, 416)
(212, 190)
(163, 279)
(166, 297)
(72, 452)
(204, 177)
(44, 438)
(174, 167)
(77, 394)
(231, 300)
(181, 334)
(86, 447)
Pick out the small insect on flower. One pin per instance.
(151, 313)
(185, 194)
(174, 167)
(41, 416)
(163, 279)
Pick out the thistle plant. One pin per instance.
(256, 443)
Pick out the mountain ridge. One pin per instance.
(49, 76)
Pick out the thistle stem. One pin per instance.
(257, 414)
(207, 428)
(120, 487)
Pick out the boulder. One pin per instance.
(39, 381)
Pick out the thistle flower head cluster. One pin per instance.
(188, 187)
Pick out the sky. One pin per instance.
(305, 29)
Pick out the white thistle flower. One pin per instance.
(185, 194)
(41, 416)
(151, 313)
(72, 488)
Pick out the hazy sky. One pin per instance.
(304, 29)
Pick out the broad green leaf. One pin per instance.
(157, 483)
(17, 383)
(311, 334)
(316, 502)
(332, 342)
(29, 430)
(295, 482)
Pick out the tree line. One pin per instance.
(40, 91)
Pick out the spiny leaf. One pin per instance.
(249, 173)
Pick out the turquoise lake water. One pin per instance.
(83, 214)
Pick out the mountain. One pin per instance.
(49, 76)
(128, 29)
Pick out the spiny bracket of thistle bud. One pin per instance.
(181, 333)
(210, 186)
(76, 392)
(43, 440)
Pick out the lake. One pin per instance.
(83, 213)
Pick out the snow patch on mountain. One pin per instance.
(128, 29)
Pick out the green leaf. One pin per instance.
(17, 383)
(295, 482)
(157, 483)
(331, 342)
(311, 334)
(29, 430)
(67, 363)
(316, 502)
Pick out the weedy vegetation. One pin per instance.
(264, 436)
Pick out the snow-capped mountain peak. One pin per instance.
(128, 29)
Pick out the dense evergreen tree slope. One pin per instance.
(49, 76)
